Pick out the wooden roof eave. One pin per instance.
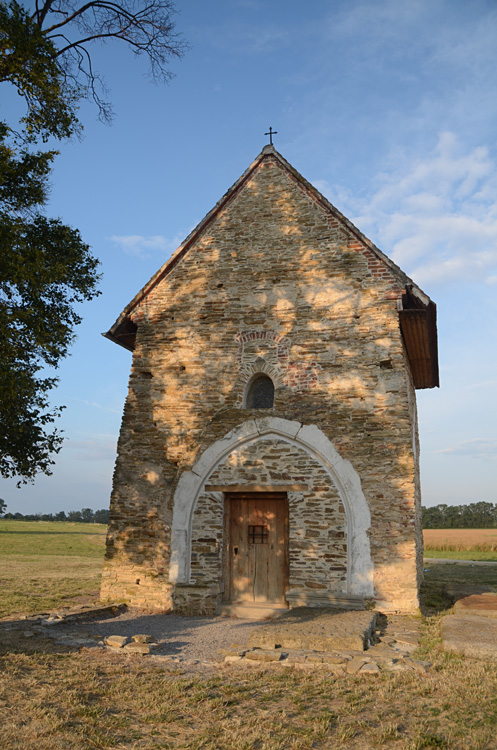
(419, 331)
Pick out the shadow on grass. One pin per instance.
(444, 583)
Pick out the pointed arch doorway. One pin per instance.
(255, 558)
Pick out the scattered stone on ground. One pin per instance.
(261, 654)
(142, 638)
(116, 641)
(137, 648)
(357, 643)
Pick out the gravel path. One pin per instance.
(187, 637)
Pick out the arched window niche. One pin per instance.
(259, 393)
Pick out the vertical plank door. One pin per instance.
(257, 550)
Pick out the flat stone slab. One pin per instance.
(116, 641)
(316, 629)
(470, 635)
(482, 605)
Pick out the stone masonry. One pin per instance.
(275, 281)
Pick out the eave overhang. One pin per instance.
(418, 324)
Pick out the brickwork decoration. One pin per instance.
(268, 352)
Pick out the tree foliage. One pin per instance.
(480, 515)
(75, 516)
(28, 61)
(47, 54)
(45, 267)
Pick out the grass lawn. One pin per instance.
(58, 564)
(55, 698)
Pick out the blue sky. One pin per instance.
(389, 108)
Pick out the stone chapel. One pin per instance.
(268, 454)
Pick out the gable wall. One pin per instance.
(272, 278)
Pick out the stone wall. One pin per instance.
(274, 283)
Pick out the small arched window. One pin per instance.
(260, 394)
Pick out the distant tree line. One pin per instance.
(87, 515)
(473, 516)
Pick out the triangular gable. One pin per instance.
(416, 311)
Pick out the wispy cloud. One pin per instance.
(437, 216)
(145, 247)
(96, 448)
(96, 405)
(477, 447)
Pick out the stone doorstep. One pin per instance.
(304, 628)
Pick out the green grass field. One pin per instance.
(453, 554)
(59, 564)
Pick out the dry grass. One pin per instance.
(469, 544)
(100, 700)
(55, 698)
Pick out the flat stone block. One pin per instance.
(116, 641)
(329, 659)
(370, 668)
(383, 651)
(296, 658)
(354, 665)
(264, 655)
(470, 635)
(137, 648)
(483, 605)
(317, 630)
(142, 638)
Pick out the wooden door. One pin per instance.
(256, 553)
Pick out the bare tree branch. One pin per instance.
(146, 26)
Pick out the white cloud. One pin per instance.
(477, 448)
(144, 247)
(437, 216)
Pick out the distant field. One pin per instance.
(44, 565)
(466, 544)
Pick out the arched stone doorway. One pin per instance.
(327, 545)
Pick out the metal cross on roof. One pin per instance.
(270, 134)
